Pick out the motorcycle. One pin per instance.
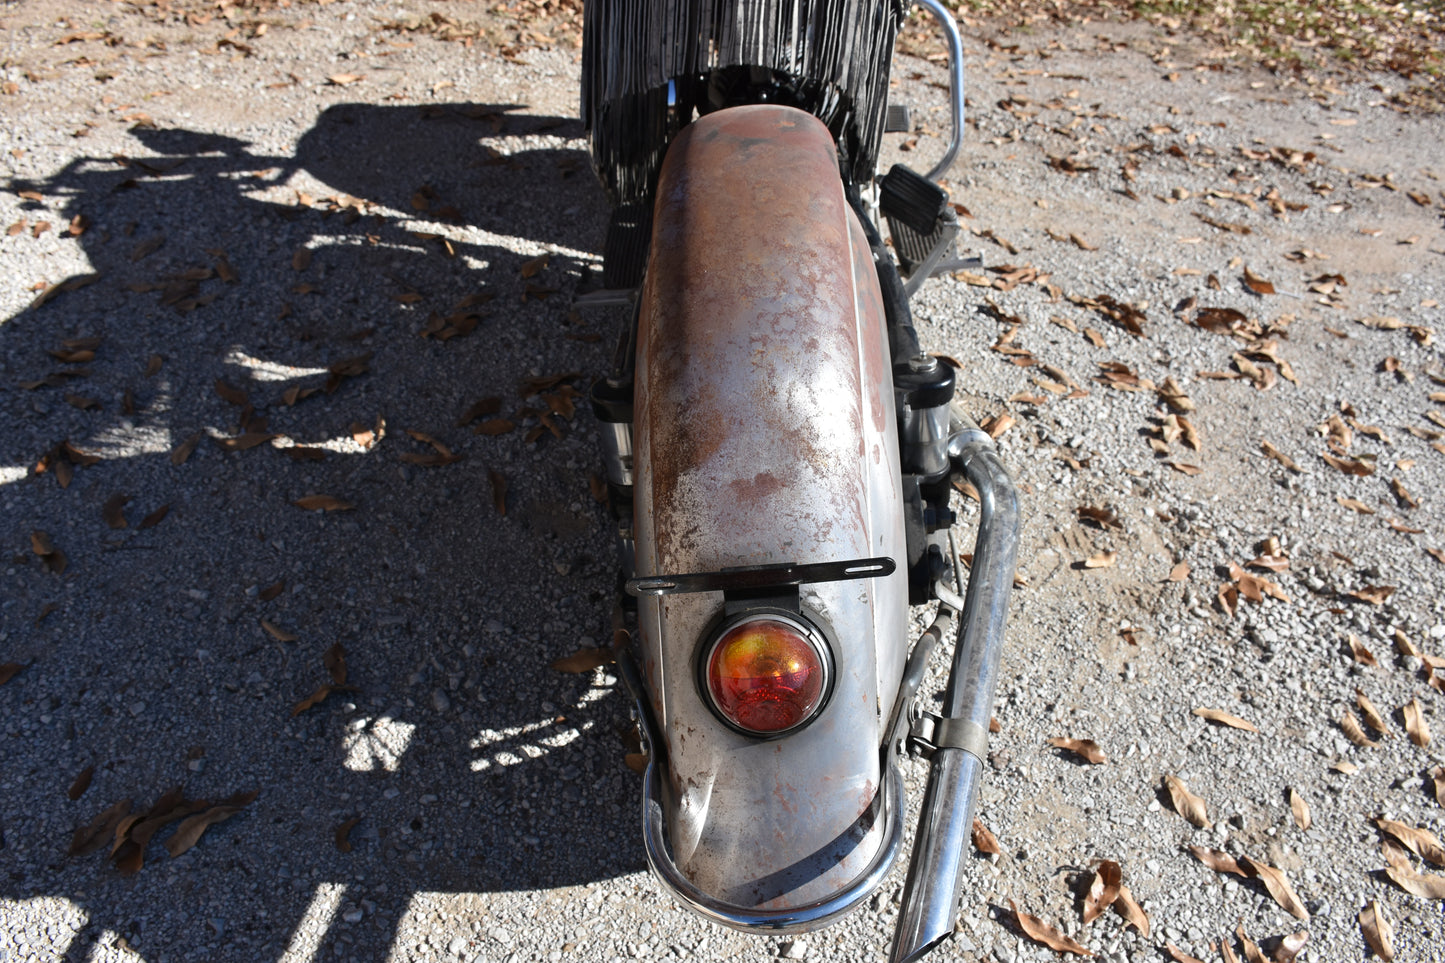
(780, 458)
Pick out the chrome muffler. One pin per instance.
(957, 741)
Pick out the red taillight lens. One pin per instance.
(766, 676)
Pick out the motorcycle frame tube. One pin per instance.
(940, 851)
(944, 16)
(765, 433)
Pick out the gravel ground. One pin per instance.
(299, 244)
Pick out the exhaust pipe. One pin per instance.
(941, 846)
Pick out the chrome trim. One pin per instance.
(940, 851)
(955, 87)
(794, 920)
(616, 438)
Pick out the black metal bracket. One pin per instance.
(757, 580)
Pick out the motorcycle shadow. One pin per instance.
(399, 266)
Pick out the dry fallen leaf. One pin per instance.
(342, 837)
(983, 840)
(1256, 283)
(88, 838)
(1354, 505)
(1415, 726)
(1217, 860)
(1086, 749)
(583, 660)
(189, 832)
(277, 633)
(1133, 914)
(499, 491)
(1427, 885)
(9, 670)
(1280, 457)
(1186, 804)
(1108, 878)
(334, 658)
(1299, 808)
(1354, 733)
(1179, 573)
(1361, 654)
(1290, 946)
(1277, 883)
(1225, 718)
(113, 511)
(154, 518)
(1374, 594)
(326, 503)
(271, 591)
(1040, 932)
(1178, 955)
(1377, 931)
(81, 784)
(1373, 719)
(1418, 840)
(1437, 776)
(1252, 952)
(1101, 560)
(184, 449)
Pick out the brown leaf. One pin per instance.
(1279, 456)
(81, 784)
(9, 670)
(487, 406)
(1133, 914)
(113, 511)
(1226, 719)
(1186, 804)
(87, 839)
(1173, 395)
(1299, 808)
(1377, 931)
(1217, 860)
(1374, 594)
(495, 426)
(1415, 725)
(1103, 517)
(277, 633)
(1086, 749)
(1360, 653)
(154, 518)
(1277, 883)
(1427, 885)
(1252, 952)
(583, 660)
(334, 658)
(1354, 505)
(301, 260)
(983, 840)
(229, 392)
(1354, 733)
(1179, 573)
(1350, 466)
(271, 591)
(343, 834)
(1256, 283)
(1373, 719)
(184, 449)
(326, 503)
(535, 266)
(1040, 932)
(1402, 494)
(1101, 560)
(342, 80)
(1290, 946)
(314, 699)
(1104, 889)
(499, 491)
(189, 832)
(1437, 776)
(1178, 955)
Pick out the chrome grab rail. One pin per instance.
(796, 919)
(955, 83)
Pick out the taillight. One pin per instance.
(767, 675)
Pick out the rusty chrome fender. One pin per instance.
(765, 434)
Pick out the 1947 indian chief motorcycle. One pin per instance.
(780, 454)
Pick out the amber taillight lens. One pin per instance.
(766, 676)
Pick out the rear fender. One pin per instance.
(765, 434)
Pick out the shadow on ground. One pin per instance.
(472, 767)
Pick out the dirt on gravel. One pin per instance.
(298, 487)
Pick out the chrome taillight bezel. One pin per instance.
(807, 625)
